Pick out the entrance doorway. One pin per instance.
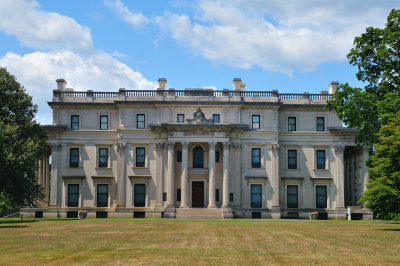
(198, 194)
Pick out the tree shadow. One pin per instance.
(15, 221)
(390, 229)
(13, 226)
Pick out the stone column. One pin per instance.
(121, 175)
(365, 174)
(55, 164)
(211, 183)
(39, 172)
(339, 151)
(185, 176)
(225, 181)
(46, 179)
(159, 169)
(275, 175)
(237, 149)
(170, 175)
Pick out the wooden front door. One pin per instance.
(198, 194)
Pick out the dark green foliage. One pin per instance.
(22, 142)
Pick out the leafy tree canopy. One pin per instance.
(22, 142)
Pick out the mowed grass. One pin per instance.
(121, 242)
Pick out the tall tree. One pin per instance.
(22, 142)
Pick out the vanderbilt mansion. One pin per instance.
(199, 153)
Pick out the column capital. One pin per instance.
(339, 149)
(55, 147)
(237, 146)
(159, 146)
(185, 145)
(121, 146)
(226, 145)
(171, 145)
(212, 145)
(275, 147)
(366, 149)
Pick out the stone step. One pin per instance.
(198, 213)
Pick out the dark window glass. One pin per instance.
(180, 118)
(230, 196)
(292, 159)
(292, 123)
(321, 196)
(102, 195)
(74, 157)
(164, 196)
(256, 196)
(103, 157)
(216, 118)
(179, 156)
(178, 194)
(73, 195)
(292, 197)
(140, 121)
(140, 195)
(217, 195)
(198, 157)
(320, 159)
(104, 122)
(255, 122)
(217, 156)
(255, 157)
(140, 154)
(320, 124)
(74, 122)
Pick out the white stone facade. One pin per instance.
(156, 153)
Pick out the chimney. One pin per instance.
(161, 83)
(333, 87)
(61, 84)
(236, 83)
(242, 86)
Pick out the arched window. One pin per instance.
(198, 157)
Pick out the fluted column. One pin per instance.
(159, 168)
(55, 163)
(275, 175)
(185, 176)
(39, 172)
(225, 185)
(211, 183)
(121, 174)
(170, 175)
(339, 151)
(365, 174)
(237, 174)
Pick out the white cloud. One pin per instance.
(38, 29)
(135, 19)
(276, 35)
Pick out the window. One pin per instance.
(179, 156)
(256, 197)
(74, 122)
(74, 157)
(292, 197)
(73, 195)
(255, 122)
(292, 123)
(180, 118)
(198, 157)
(216, 118)
(320, 159)
(102, 195)
(164, 196)
(321, 196)
(140, 121)
(292, 159)
(140, 195)
(255, 157)
(217, 195)
(178, 194)
(230, 196)
(103, 157)
(320, 124)
(104, 122)
(140, 154)
(217, 156)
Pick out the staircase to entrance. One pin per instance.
(198, 213)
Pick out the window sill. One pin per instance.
(103, 168)
(322, 170)
(140, 167)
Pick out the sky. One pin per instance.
(103, 45)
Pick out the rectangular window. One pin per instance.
(217, 195)
(140, 154)
(292, 197)
(74, 157)
(216, 118)
(102, 195)
(255, 157)
(104, 122)
(217, 156)
(179, 156)
(320, 159)
(73, 195)
(256, 196)
(255, 122)
(230, 196)
(74, 122)
(180, 118)
(103, 157)
(140, 195)
(140, 121)
(320, 124)
(292, 123)
(178, 194)
(164, 196)
(292, 159)
(321, 196)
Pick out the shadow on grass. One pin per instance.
(390, 229)
(13, 226)
(16, 221)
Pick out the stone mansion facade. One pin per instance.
(199, 153)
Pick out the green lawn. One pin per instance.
(121, 242)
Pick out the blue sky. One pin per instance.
(289, 45)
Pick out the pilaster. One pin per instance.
(170, 175)
(275, 175)
(339, 152)
(121, 174)
(211, 185)
(185, 177)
